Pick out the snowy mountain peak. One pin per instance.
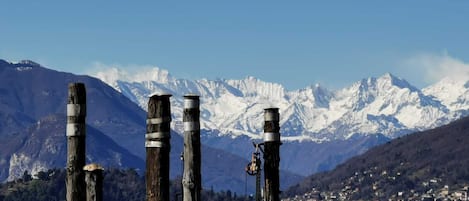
(154, 74)
(387, 105)
(110, 76)
(451, 91)
(391, 80)
(368, 89)
(29, 63)
(317, 85)
(251, 86)
(316, 96)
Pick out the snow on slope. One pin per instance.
(452, 92)
(387, 105)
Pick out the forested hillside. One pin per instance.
(422, 164)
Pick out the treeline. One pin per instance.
(119, 185)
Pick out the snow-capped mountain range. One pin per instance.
(387, 105)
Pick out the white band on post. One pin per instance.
(271, 137)
(191, 126)
(157, 144)
(271, 117)
(74, 110)
(73, 129)
(157, 135)
(191, 103)
(158, 120)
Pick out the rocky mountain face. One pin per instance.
(43, 145)
(32, 129)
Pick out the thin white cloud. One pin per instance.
(130, 73)
(435, 67)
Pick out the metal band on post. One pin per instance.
(271, 137)
(76, 110)
(191, 182)
(159, 123)
(159, 120)
(157, 135)
(157, 144)
(75, 129)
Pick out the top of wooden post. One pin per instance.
(163, 95)
(271, 126)
(191, 96)
(271, 114)
(191, 101)
(158, 106)
(92, 167)
(271, 110)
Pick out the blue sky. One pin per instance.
(295, 43)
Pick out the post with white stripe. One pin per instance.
(157, 143)
(191, 182)
(76, 132)
(271, 154)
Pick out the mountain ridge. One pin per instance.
(388, 104)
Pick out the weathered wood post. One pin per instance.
(94, 182)
(158, 147)
(76, 131)
(271, 154)
(191, 181)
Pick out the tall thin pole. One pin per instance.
(271, 154)
(94, 182)
(258, 181)
(76, 132)
(158, 147)
(191, 181)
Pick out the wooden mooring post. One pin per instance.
(76, 131)
(271, 154)
(191, 182)
(158, 146)
(94, 182)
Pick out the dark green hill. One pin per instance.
(119, 185)
(417, 165)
